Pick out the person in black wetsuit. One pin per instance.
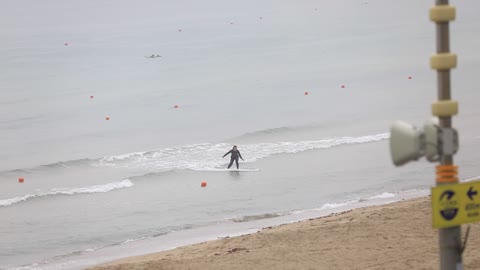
(234, 157)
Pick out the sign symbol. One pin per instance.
(471, 193)
(450, 212)
(447, 193)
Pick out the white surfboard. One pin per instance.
(233, 170)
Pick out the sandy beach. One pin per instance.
(392, 236)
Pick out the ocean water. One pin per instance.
(98, 189)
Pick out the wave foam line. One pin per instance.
(70, 191)
(208, 156)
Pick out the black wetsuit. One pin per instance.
(233, 157)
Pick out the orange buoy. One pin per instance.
(203, 184)
(107, 118)
(306, 93)
(176, 106)
(21, 179)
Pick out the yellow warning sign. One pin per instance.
(455, 204)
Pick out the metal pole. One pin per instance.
(449, 238)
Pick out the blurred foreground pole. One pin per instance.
(445, 108)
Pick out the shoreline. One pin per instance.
(395, 235)
(219, 230)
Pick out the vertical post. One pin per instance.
(449, 238)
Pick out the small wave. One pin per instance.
(201, 157)
(207, 156)
(326, 206)
(384, 195)
(137, 239)
(471, 179)
(268, 131)
(69, 163)
(335, 205)
(56, 165)
(70, 191)
(255, 217)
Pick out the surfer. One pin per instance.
(234, 157)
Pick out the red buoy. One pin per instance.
(176, 106)
(107, 118)
(91, 96)
(409, 77)
(21, 179)
(343, 86)
(203, 184)
(66, 44)
(306, 93)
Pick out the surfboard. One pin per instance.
(234, 170)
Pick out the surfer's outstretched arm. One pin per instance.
(240, 155)
(227, 153)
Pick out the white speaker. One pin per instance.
(432, 140)
(406, 143)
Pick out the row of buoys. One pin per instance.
(179, 29)
(344, 86)
(108, 117)
(21, 180)
(202, 184)
(306, 92)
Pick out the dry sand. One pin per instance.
(394, 236)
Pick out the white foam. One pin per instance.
(335, 205)
(384, 195)
(476, 178)
(93, 189)
(15, 200)
(133, 240)
(208, 156)
(126, 183)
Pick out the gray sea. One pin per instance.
(224, 73)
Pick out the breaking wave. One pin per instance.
(203, 156)
(126, 183)
(207, 156)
